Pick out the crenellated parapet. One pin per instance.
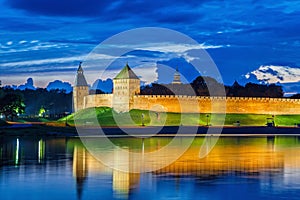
(126, 97)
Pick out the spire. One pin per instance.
(236, 84)
(176, 79)
(80, 68)
(126, 73)
(80, 79)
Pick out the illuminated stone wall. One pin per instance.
(241, 105)
(193, 104)
(98, 100)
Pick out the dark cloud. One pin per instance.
(61, 7)
(107, 9)
(57, 84)
(187, 70)
(179, 17)
(27, 85)
(19, 24)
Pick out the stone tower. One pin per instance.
(176, 79)
(80, 90)
(126, 85)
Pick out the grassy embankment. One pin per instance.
(106, 117)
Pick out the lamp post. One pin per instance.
(143, 119)
(66, 115)
(207, 116)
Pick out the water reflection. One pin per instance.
(270, 163)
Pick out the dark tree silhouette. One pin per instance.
(11, 105)
(201, 84)
(295, 96)
(55, 102)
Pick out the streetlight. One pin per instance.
(66, 114)
(207, 116)
(143, 116)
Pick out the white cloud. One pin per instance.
(34, 41)
(276, 74)
(9, 43)
(32, 46)
(177, 48)
(22, 42)
(42, 61)
(56, 60)
(147, 72)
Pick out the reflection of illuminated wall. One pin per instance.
(237, 159)
(123, 181)
(248, 158)
(79, 162)
(79, 168)
(83, 162)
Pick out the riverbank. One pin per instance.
(147, 131)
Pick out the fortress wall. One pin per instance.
(262, 105)
(97, 100)
(190, 104)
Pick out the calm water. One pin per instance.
(237, 168)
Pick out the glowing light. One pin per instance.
(17, 152)
(41, 151)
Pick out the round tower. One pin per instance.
(80, 90)
(126, 85)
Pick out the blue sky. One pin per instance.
(256, 41)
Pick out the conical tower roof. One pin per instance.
(80, 79)
(236, 84)
(126, 73)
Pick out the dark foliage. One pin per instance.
(11, 104)
(295, 96)
(54, 102)
(207, 86)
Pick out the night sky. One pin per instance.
(256, 41)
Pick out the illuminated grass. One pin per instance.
(106, 117)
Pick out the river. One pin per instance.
(236, 168)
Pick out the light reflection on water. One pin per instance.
(238, 167)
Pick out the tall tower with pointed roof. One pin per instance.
(80, 89)
(126, 85)
(176, 79)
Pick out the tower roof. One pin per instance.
(80, 79)
(236, 84)
(176, 79)
(126, 73)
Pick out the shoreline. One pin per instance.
(147, 131)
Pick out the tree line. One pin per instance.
(207, 86)
(33, 103)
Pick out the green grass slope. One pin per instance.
(108, 117)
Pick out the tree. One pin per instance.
(295, 96)
(11, 104)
